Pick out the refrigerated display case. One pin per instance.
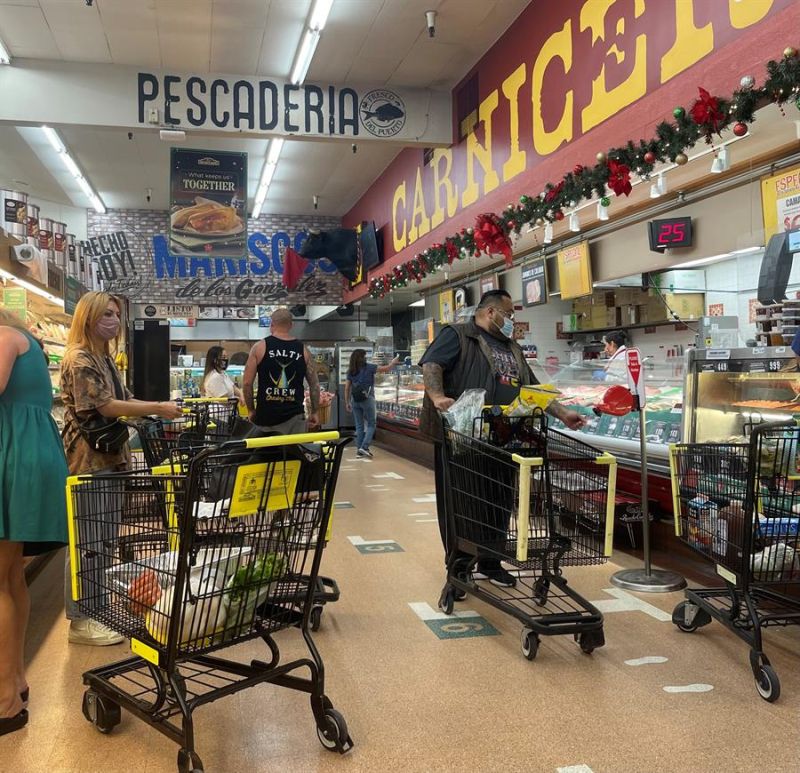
(728, 391)
(583, 384)
(398, 395)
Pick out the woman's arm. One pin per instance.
(387, 368)
(10, 344)
(347, 395)
(116, 409)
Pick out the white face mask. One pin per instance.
(507, 328)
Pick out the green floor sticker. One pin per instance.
(462, 627)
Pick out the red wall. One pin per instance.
(736, 52)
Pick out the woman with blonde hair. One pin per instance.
(33, 516)
(93, 392)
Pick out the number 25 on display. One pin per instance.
(673, 232)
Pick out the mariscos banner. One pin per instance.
(146, 271)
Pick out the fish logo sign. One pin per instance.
(383, 113)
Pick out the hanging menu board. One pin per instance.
(574, 271)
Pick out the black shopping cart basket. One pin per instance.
(226, 570)
(738, 506)
(537, 500)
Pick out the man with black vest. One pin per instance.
(284, 365)
(478, 354)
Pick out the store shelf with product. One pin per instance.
(189, 381)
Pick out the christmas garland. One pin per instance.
(708, 116)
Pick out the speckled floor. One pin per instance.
(416, 702)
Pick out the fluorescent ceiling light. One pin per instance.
(420, 302)
(32, 288)
(54, 139)
(319, 14)
(274, 152)
(715, 258)
(5, 56)
(304, 56)
(69, 162)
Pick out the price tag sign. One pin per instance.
(718, 354)
(633, 362)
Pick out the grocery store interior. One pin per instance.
(628, 174)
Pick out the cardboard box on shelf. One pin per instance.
(685, 305)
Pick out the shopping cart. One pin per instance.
(161, 439)
(222, 572)
(738, 505)
(538, 500)
(221, 414)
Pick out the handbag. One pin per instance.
(104, 435)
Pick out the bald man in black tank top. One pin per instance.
(283, 365)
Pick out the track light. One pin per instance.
(721, 161)
(548, 233)
(574, 223)
(602, 212)
(659, 187)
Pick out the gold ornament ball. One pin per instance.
(681, 159)
(539, 221)
(789, 52)
(601, 157)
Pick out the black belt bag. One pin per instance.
(104, 435)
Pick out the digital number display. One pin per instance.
(670, 233)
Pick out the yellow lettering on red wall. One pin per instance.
(691, 44)
(516, 157)
(481, 153)
(399, 240)
(441, 179)
(605, 102)
(557, 46)
(419, 213)
(747, 13)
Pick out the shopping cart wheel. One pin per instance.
(447, 600)
(530, 643)
(315, 617)
(589, 641)
(102, 712)
(189, 762)
(689, 617)
(541, 591)
(767, 683)
(333, 735)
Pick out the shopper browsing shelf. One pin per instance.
(216, 382)
(477, 354)
(94, 397)
(359, 397)
(283, 364)
(33, 516)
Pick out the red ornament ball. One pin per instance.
(512, 224)
(559, 215)
(649, 157)
(577, 169)
(740, 129)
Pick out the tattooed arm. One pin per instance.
(433, 379)
(313, 389)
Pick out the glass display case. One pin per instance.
(728, 391)
(583, 385)
(188, 381)
(398, 395)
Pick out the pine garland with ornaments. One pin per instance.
(707, 117)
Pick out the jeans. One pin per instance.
(365, 415)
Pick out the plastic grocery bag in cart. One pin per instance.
(463, 412)
(776, 562)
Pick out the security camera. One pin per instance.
(430, 20)
(89, 3)
(130, 135)
(316, 201)
(355, 147)
(148, 194)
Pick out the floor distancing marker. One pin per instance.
(646, 661)
(427, 520)
(356, 540)
(376, 485)
(690, 688)
(416, 515)
(625, 602)
(575, 769)
(425, 611)
(392, 475)
(426, 498)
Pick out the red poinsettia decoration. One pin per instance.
(452, 250)
(707, 112)
(619, 177)
(491, 238)
(551, 194)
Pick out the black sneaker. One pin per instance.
(499, 576)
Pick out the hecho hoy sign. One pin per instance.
(635, 375)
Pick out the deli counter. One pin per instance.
(398, 396)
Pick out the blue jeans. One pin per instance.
(365, 415)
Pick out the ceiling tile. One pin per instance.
(25, 32)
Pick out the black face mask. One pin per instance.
(223, 363)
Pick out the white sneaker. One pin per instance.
(88, 631)
(362, 453)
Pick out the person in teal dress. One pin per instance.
(33, 510)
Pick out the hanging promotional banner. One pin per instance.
(534, 283)
(208, 203)
(15, 300)
(633, 362)
(574, 271)
(72, 294)
(780, 202)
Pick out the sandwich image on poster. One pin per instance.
(208, 213)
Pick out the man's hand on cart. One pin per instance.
(313, 420)
(442, 403)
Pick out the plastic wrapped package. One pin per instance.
(462, 413)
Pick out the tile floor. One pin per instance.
(424, 694)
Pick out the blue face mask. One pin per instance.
(507, 328)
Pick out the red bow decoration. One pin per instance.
(619, 178)
(551, 194)
(452, 251)
(491, 238)
(706, 112)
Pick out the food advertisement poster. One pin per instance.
(574, 271)
(780, 202)
(15, 300)
(489, 283)
(446, 307)
(534, 283)
(208, 203)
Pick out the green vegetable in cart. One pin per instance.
(262, 571)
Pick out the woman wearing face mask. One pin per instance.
(92, 387)
(216, 382)
(615, 348)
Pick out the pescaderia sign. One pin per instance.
(133, 98)
(147, 276)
